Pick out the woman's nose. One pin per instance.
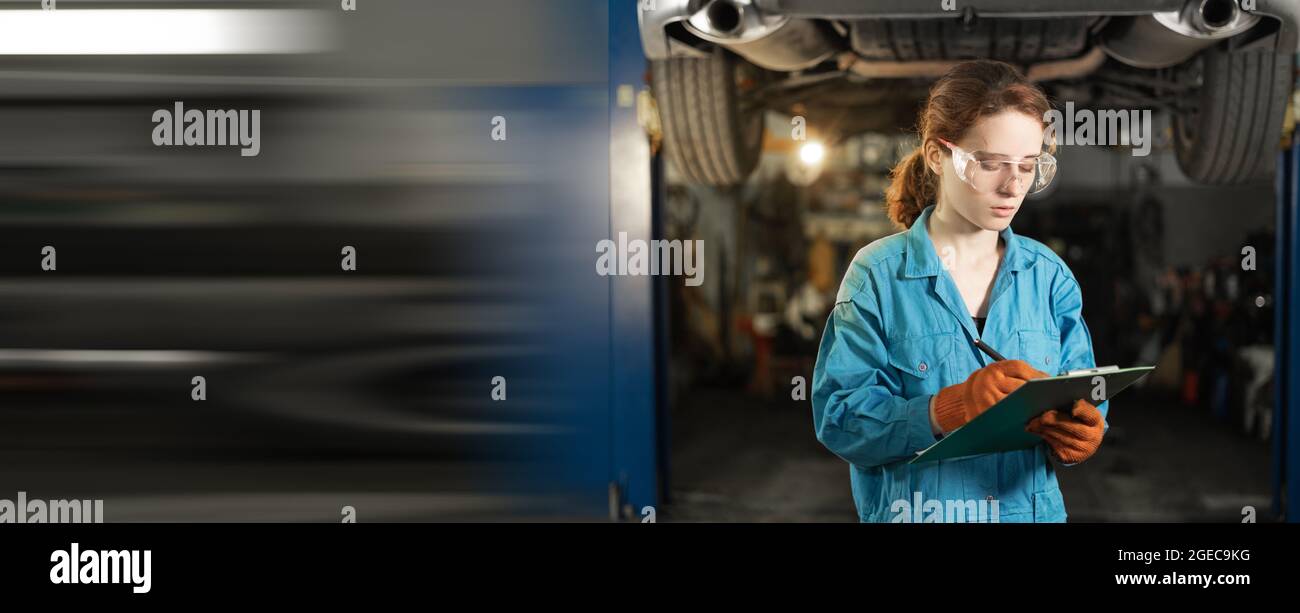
(1012, 185)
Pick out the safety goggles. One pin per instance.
(986, 174)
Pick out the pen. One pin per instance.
(989, 350)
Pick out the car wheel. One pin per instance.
(707, 135)
(1232, 136)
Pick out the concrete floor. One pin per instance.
(735, 458)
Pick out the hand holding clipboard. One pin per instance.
(1002, 426)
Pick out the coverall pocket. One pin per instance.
(919, 358)
(1049, 506)
(1042, 350)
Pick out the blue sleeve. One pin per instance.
(1076, 340)
(858, 412)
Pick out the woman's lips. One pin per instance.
(1004, 211)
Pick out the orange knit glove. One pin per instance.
(1072, 440)
(956, 405)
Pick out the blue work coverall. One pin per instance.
(899, 333)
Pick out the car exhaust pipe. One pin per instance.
(722, 18)
(1072, 68)
(1161, 40)
(1213, 16)
(770, 40)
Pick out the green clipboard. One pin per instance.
(1002, 427)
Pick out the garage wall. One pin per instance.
(1206, 220)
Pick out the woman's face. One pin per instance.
(1008, 135)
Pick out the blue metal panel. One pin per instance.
(1283, 192)
(632, 334)
(1286, 406)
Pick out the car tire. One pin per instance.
(707, 136)
(1233, 135)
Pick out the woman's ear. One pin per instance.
(933, 156)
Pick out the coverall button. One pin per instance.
(922, 367)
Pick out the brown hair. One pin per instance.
(968, 92)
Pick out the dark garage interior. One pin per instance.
(392, 308)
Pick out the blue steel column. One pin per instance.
(1284, 198)
(1286, 374)
(631, 298)
(1291, 406)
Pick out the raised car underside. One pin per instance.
(828, 60)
